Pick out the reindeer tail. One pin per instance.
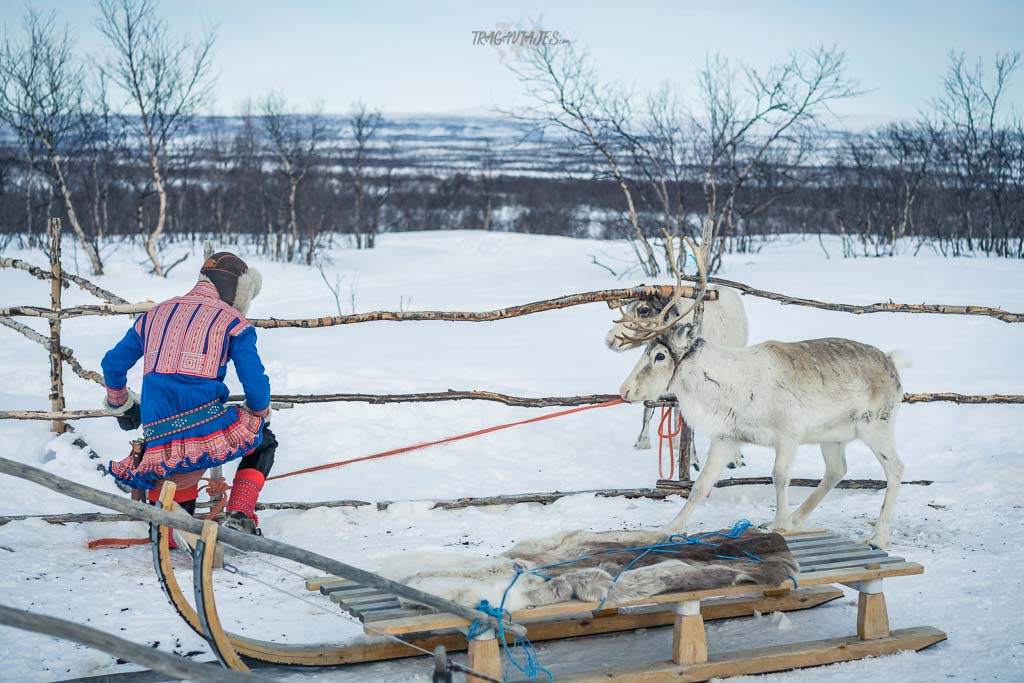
(901, 359)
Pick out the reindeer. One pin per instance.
(823, 391)
(725, 322)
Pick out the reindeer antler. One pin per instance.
(647, 329)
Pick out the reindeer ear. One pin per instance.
(682, 332)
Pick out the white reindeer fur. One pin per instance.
(724, 321)
(469, 580)
(824, 391)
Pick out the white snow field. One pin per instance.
(966, 528)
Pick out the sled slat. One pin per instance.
(362, 603)
(810, 538)
(818, 550)
(820, 543)
(315, 582)
(362, 598)
(852, 564)
(824, 549)
(850, 554)
(349, 589)
(361, 610)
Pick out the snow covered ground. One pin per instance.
(966, 529)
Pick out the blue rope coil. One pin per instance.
(530, 665)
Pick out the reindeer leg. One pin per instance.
(880, 441)
(643, 442)
(834, 454)
(720, 453)
(785, 452)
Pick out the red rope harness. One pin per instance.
(214, 488)
(668, 429)
(459, 437)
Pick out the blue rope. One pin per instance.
(530, 666)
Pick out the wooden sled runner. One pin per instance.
(825, 559)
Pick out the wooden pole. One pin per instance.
(607, 295)
(670, 488)
(861, 309)
(516, 401)
(168, 664)
(84, 284)
(56, 366)
(687, 452)
(247, 542)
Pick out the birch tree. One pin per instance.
(294, 140)
(568, 96)
(41, 90)
(369, 194)
(165, 78)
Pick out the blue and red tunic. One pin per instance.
(186, 343)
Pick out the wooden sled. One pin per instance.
(427, 629)
(824, 559)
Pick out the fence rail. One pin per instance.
(608, 295)
(515, 401)
(119, 306)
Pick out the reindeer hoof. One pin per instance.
(643, 444)
(877, 542)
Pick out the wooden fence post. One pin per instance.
(686, 452)
(56, 364)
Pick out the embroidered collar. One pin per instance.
(205, 289)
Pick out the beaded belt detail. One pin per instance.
(182, 421)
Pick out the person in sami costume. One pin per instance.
(186, 343)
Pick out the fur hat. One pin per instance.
(236, 283)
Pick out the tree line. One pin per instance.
(118, 147)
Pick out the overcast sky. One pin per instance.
(419, 56)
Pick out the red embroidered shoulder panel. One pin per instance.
(188, 335)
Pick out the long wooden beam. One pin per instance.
(249, 542)
(66, 278)
(861, 309)
(451, 395)
(666, 488)
(642, 292)
(171, 665)
(951, 397)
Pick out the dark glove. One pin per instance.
(131, 419)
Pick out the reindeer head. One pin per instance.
(652, 377)
(641, 324)
(639, 309)
(669, 340)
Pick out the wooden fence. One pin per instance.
(116, 305)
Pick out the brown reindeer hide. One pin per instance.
(675, 569)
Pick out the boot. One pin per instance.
(239, 521)
(241, 509)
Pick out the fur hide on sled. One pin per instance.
(675, 569)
